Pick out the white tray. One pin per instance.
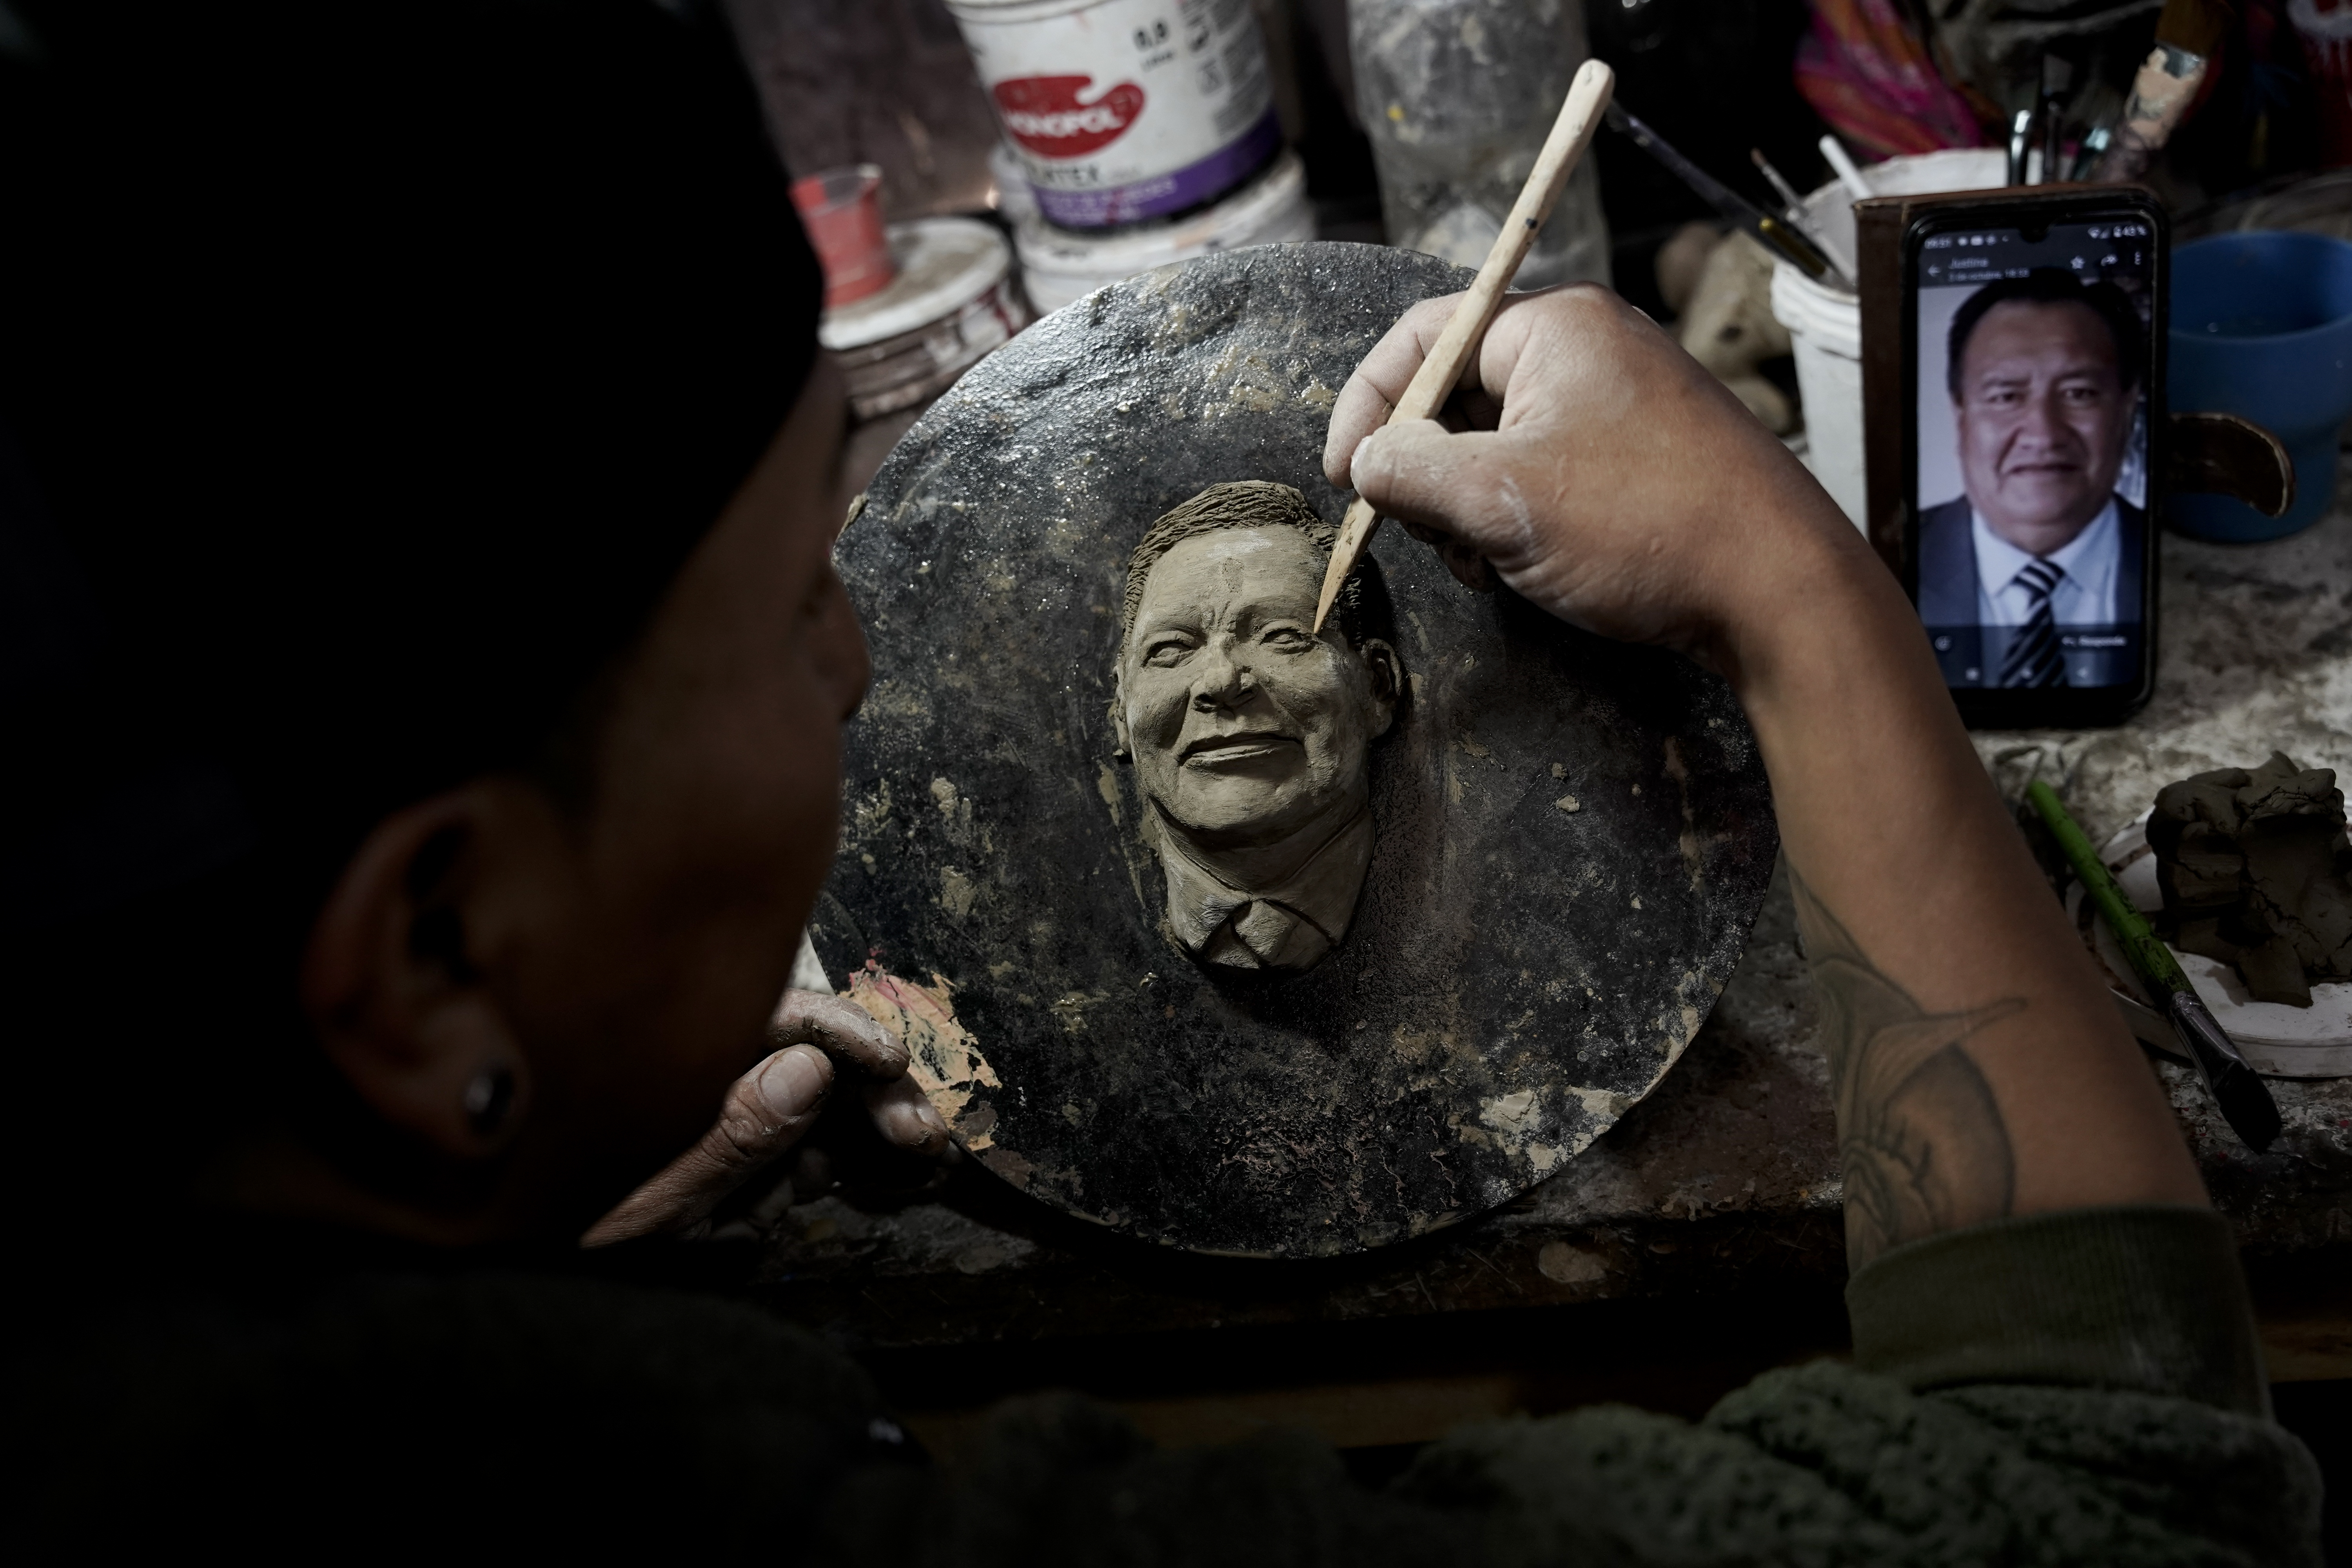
(2278, 1041)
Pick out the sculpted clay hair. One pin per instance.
(1241, 504)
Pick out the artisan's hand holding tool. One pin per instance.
(1580, 116)
(2245, 1100)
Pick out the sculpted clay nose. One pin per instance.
(1223, 681)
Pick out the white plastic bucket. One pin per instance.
(1124, 111)
(1058, 267)
(1825, 334)
(1826, 323)
(951, 302)
(1013, 200)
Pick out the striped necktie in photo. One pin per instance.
(2033, 658)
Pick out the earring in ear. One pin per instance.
(489, 1099)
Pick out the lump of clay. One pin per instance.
(2256, 871)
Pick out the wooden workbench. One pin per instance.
(1696, 1244)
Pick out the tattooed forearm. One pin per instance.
(1920, 1136)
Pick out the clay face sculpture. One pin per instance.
(1250, 736)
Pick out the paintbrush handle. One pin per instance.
(1841, 163)
(2149, 957)
(1441, 372)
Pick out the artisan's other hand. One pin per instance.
(771, 1108)
(1604, 475)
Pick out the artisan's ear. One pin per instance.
(393, 980)
(1387, 670)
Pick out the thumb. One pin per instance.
(763, 1115)
(1417, 472)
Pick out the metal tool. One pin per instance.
(1796, 213)
(2057, 76)
(1780, 184)
(1778, 234)
(2244, 1100)
(2021, 136)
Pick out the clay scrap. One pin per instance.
(2256, 871)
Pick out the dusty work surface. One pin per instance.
(1722, 1187)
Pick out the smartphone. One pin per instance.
(2033, 333)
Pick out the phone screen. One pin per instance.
(2031, 450)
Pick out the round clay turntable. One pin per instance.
(1530, 856)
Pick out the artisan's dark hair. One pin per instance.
(1247, 503)
(2052, 286)
(371, 373)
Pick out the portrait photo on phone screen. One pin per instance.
(2030, 471)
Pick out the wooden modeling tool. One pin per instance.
(2188, 32)
(1440, 372)
(2244, 1100)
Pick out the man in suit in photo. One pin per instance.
(2044, 373)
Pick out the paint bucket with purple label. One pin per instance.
(1124, 111)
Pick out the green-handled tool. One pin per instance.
(2245, 1100)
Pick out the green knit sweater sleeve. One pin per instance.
(2063, 1388)
(2147, 1298)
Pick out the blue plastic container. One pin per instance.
(2262, 327)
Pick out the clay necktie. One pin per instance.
(2033, 657)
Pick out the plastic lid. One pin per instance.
(944, 264)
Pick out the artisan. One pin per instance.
(425, 678)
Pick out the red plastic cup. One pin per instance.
(842, 210)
